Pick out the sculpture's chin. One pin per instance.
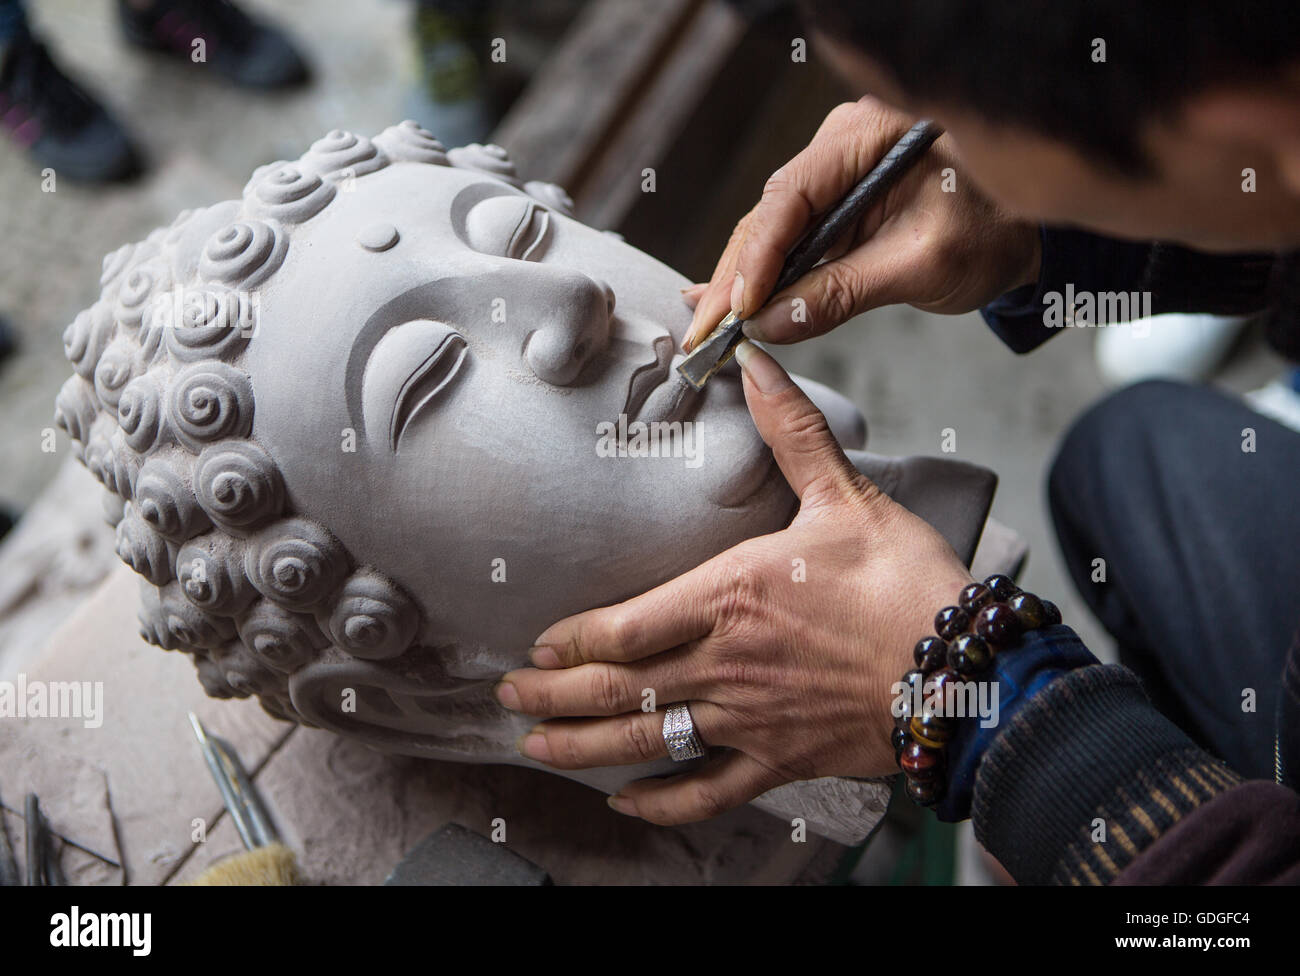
(746, 484)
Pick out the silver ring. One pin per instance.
(679, 734)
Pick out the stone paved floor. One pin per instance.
(913, 374)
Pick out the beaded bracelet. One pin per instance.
(990, 617)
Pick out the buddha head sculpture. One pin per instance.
(350, 430)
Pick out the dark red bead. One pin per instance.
(1029, 610)
(929, 654)
(974, 596)
(918, 762)
(927, 794)
(998, 624)
(951, 621)
(969, 654)
(1053, 614)
(1002, 588)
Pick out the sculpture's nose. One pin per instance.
(576, 330)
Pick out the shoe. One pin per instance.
(1175, 346)
(58, 122)
(1280, 400)
(237, 47)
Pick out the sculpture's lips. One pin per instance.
(645, 378)
(655, 393)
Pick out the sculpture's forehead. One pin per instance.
(410, 193)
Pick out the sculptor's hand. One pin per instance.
(941, 251)
(785, 646)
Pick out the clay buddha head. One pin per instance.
(350, 424)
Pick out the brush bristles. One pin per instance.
(272, 865)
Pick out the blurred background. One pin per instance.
(711, 95)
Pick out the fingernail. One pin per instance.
(738, 293)
(753, 328)
(621, 804)
(534, 747)
(543, 656)
(764, 371)
(508, 695)
(691, 331)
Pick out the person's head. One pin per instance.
(351, 429)
(1149, 119)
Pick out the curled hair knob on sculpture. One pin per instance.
(162, 414)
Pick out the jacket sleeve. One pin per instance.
(1088, 784)
(1176, 278)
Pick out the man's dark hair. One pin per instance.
(1031, 62)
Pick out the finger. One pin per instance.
(672, 614)
(601, 688)
(871, 275)
(848, 144)
(715, 302)
(633, 737)
(792, 426)
(722, 785)
(691, 293)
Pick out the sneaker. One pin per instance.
(1280, 400)
(1174, 346)
(59, 123)
(237, 47)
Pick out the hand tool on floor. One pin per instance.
(43, 867)
(268, 861)
(9, 875)
(720, 345)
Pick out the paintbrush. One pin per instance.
(720, 344)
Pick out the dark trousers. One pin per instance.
(1200, 584)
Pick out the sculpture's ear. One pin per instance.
(842, 416)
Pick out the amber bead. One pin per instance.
(951, 621)
(1002, 588)
(930, 653)
(921, 763)
(927, 794)
(900, 740)
(974, 596)
(1053, 614)
(1029, 610)
(969, 654)
(998, 624)
(931, 731)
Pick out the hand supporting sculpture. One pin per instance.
(790, 670)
